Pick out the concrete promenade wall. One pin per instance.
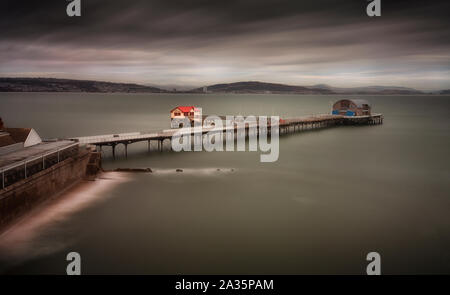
(19, 198)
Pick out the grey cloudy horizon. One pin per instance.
(199, 43)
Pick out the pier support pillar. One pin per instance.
(126, 150)
(113, 151)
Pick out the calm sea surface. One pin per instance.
(332, 197)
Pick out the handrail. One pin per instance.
(22, 163)
(116, 138)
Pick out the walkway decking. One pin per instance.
(285, 126)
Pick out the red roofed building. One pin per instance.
(190, 112)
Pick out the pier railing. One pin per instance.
(24, 169)
(288, 125)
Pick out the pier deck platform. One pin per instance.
(285, 126)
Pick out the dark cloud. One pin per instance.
(143, 20)
(199, 42)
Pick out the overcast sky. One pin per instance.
(198, 43)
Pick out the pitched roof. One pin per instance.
(5, 139)
(19, 134)
(184, 109)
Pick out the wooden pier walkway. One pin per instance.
(285, 126)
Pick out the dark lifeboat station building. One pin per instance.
(352, 107)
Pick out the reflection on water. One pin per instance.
(333, 196)
(24, 241)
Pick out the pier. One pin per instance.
(34, 170)
(286, 126)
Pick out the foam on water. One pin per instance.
(209, 171)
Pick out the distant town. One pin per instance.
(256, 87)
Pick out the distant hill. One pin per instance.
(260, 87)
(67, 85)
(368, 89)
